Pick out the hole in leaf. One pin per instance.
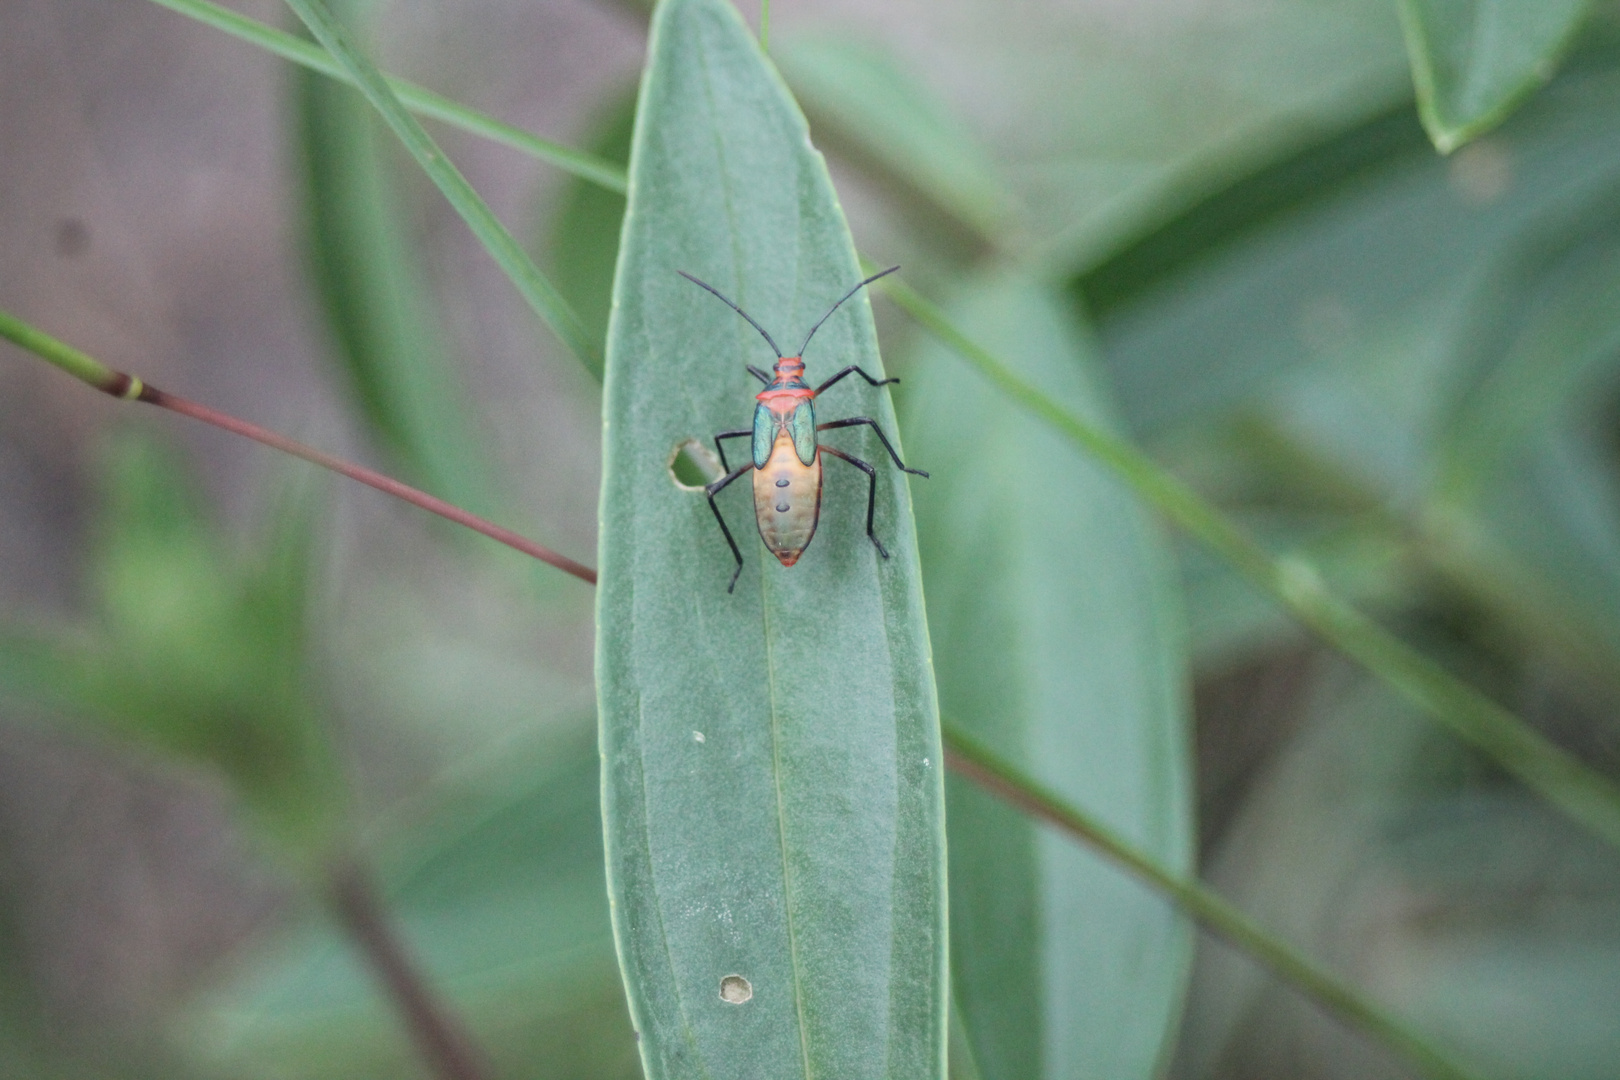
(693, 465)
(734, 990)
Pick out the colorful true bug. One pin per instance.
(787, 456)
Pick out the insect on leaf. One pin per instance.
(771, 769)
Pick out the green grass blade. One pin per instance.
(418, 100)
(378, 307)
(60, 355)
(540, 294)
(772, 781)
(1579, 791)
(1057, 630)
(1474, 60)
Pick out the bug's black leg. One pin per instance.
(714, 489)
(854, 420)
(871, 493)
(759, 374)
(729, 435)
(856, 369)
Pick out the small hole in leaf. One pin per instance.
(734, 990)
(693, 465)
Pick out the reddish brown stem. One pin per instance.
(371, 478)
(438, 1037)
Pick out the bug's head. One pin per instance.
(791, 366)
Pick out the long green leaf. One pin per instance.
(772, 779)
(1055, 620)
(1474, 60)
(540, 294)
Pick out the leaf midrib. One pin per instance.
(769, 639)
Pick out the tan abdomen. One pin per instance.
(787, 500)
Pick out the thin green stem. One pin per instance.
(415, 98)
(127, 387)
(977, 763)
(541, 295)
(59, 354)
(1558, 776)
(765, 25)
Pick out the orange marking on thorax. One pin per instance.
(788, 389)
(783, 400)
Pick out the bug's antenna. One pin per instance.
(834, 308)
(774, 347)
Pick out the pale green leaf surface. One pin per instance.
(1474, 60)
(771, 764)
(1056, 619)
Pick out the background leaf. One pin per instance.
(1371, 841)
(1376, 266)
(378, 308)
(500, 896)
(1474, 60)
(1357, 320)
(1056, 624)
(585, 234)
(198, 654)
(771, 758)
(863, 101)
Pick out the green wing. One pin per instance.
(764, 435)
(804, 433)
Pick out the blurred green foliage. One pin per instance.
(200, 654)
(1230, 234)
(1061, 966)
